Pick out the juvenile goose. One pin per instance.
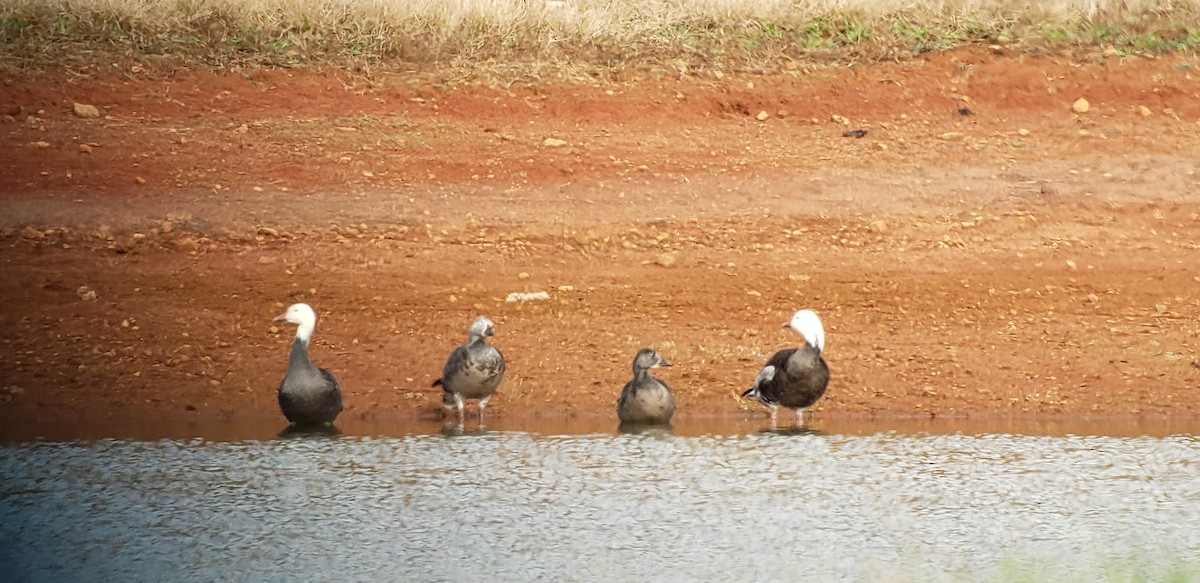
(308, 395)
(794, 377)
(473, 371)
(645, 399)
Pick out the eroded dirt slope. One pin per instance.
(982, 249)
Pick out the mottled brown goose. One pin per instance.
(645, 399)
(474, 370)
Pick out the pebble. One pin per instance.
(86, 293)
(526, 297)
(1144, 111)
(1081, 105)
(666, 259)
(86, 111)
(762, 116)
(553, 143)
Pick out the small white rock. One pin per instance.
(86, 293)
(1081, 105)
(526, 297)
(85, 110)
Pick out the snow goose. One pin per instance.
(473, 370)
(794, 377)
(308, 395)
(645, 399)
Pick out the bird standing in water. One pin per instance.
(308, 395)
(474, 370)
(645, 399)
(794, 377)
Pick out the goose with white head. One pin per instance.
(308, 395)
(474, 370)
(794, 377)
(645, 399)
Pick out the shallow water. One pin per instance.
(833, 504)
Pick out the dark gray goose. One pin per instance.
(473, 371)
(794, 377)
(645, 399)
(308, 395)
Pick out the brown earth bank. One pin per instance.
(981, 248)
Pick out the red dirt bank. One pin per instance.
(1020, 259)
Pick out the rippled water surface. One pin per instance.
(517, 505)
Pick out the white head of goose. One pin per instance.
(308, 395)
(645, 399)
(474, 370)
(794, 377)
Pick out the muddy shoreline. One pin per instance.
(1022, 260)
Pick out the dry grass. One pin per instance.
(566, 35)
